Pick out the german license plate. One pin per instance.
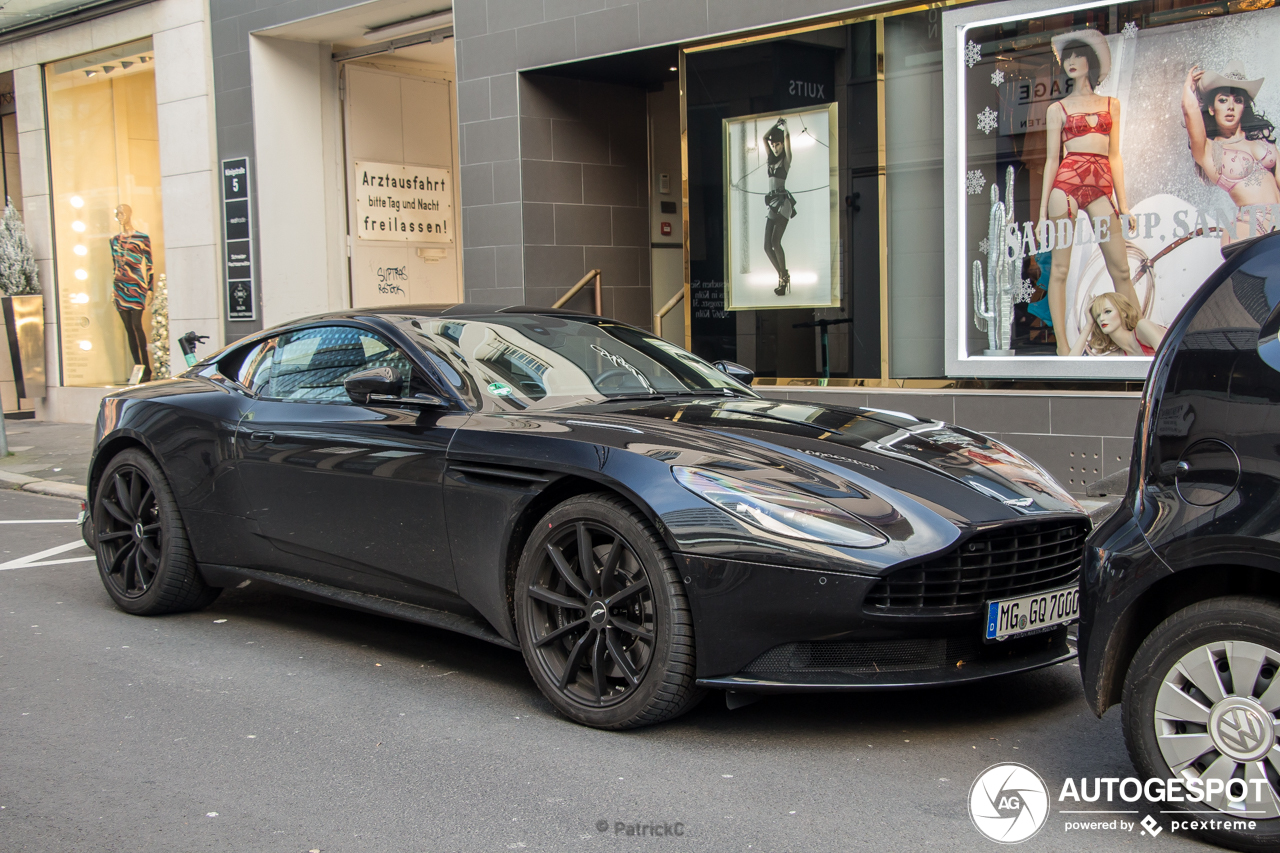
(1032, 614)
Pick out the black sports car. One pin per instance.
(638, 522)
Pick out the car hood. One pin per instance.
(962, 474)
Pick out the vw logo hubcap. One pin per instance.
(137, 530)
(1241, 728)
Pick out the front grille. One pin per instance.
(873, 656)
(1003, 563)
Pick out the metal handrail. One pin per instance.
(573, 291)
(665, 310)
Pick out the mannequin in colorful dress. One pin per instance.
(132, 277)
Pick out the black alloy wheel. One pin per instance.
(144, 558)
(603, 619)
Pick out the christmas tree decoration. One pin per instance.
(18, 275)
(160, 328)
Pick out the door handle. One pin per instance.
(262, 436)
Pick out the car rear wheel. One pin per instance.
(603, 620)
(1200, 702)
(144, 559)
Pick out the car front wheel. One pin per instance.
(603, 620)
(1200, 702)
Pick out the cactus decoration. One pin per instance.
(993, 299)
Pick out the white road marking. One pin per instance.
(40, 521)
(37, 559)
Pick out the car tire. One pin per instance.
(611, 646)
(144, 558)
(1188, 667)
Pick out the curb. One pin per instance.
(37, 486)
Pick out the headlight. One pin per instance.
(780, 511)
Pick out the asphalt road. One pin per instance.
(269, 723)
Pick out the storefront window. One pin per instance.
(799, 287)
(104, 158)
(1106, 157)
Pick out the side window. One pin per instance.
(311, 364)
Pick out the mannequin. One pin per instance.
(133, 278)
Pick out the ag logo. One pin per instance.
(1008, 803)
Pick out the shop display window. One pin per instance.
(1107, 156)
(104, 159)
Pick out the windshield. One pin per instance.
(513, 362)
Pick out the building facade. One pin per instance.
(864, 204)
(871, 204)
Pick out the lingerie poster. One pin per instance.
(1106, 155)
(781, 188)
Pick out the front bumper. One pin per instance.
(761, 628)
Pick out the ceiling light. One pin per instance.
(673, 68)
(434, 21)
(81, 250)
(77, 226)
(90, 73)
(86, 345)
(76, 202)
(82, 274)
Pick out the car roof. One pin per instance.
(460, 309)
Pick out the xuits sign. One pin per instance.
(413, 204)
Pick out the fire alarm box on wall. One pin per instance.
(666, 229)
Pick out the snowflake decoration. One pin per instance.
(974, 182)
(1024, 291)
(997, 77)
(972, 53)
(987, 120)
(1130, 30)
(984, 246)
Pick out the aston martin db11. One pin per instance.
(639, 523)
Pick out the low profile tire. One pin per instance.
(1200, 700)
(603, 619)
(144, 558)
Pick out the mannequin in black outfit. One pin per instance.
(780, 202)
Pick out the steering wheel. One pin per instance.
(618, 376)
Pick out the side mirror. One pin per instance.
(382, 381)
(735, 371)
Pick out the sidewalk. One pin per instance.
(48, 458)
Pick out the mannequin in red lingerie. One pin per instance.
(1082, 169)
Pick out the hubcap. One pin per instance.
(130, 539)
(1241, 729)
(591, 612)
(1216, 719)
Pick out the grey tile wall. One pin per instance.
(584, 177)
(579, 152)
